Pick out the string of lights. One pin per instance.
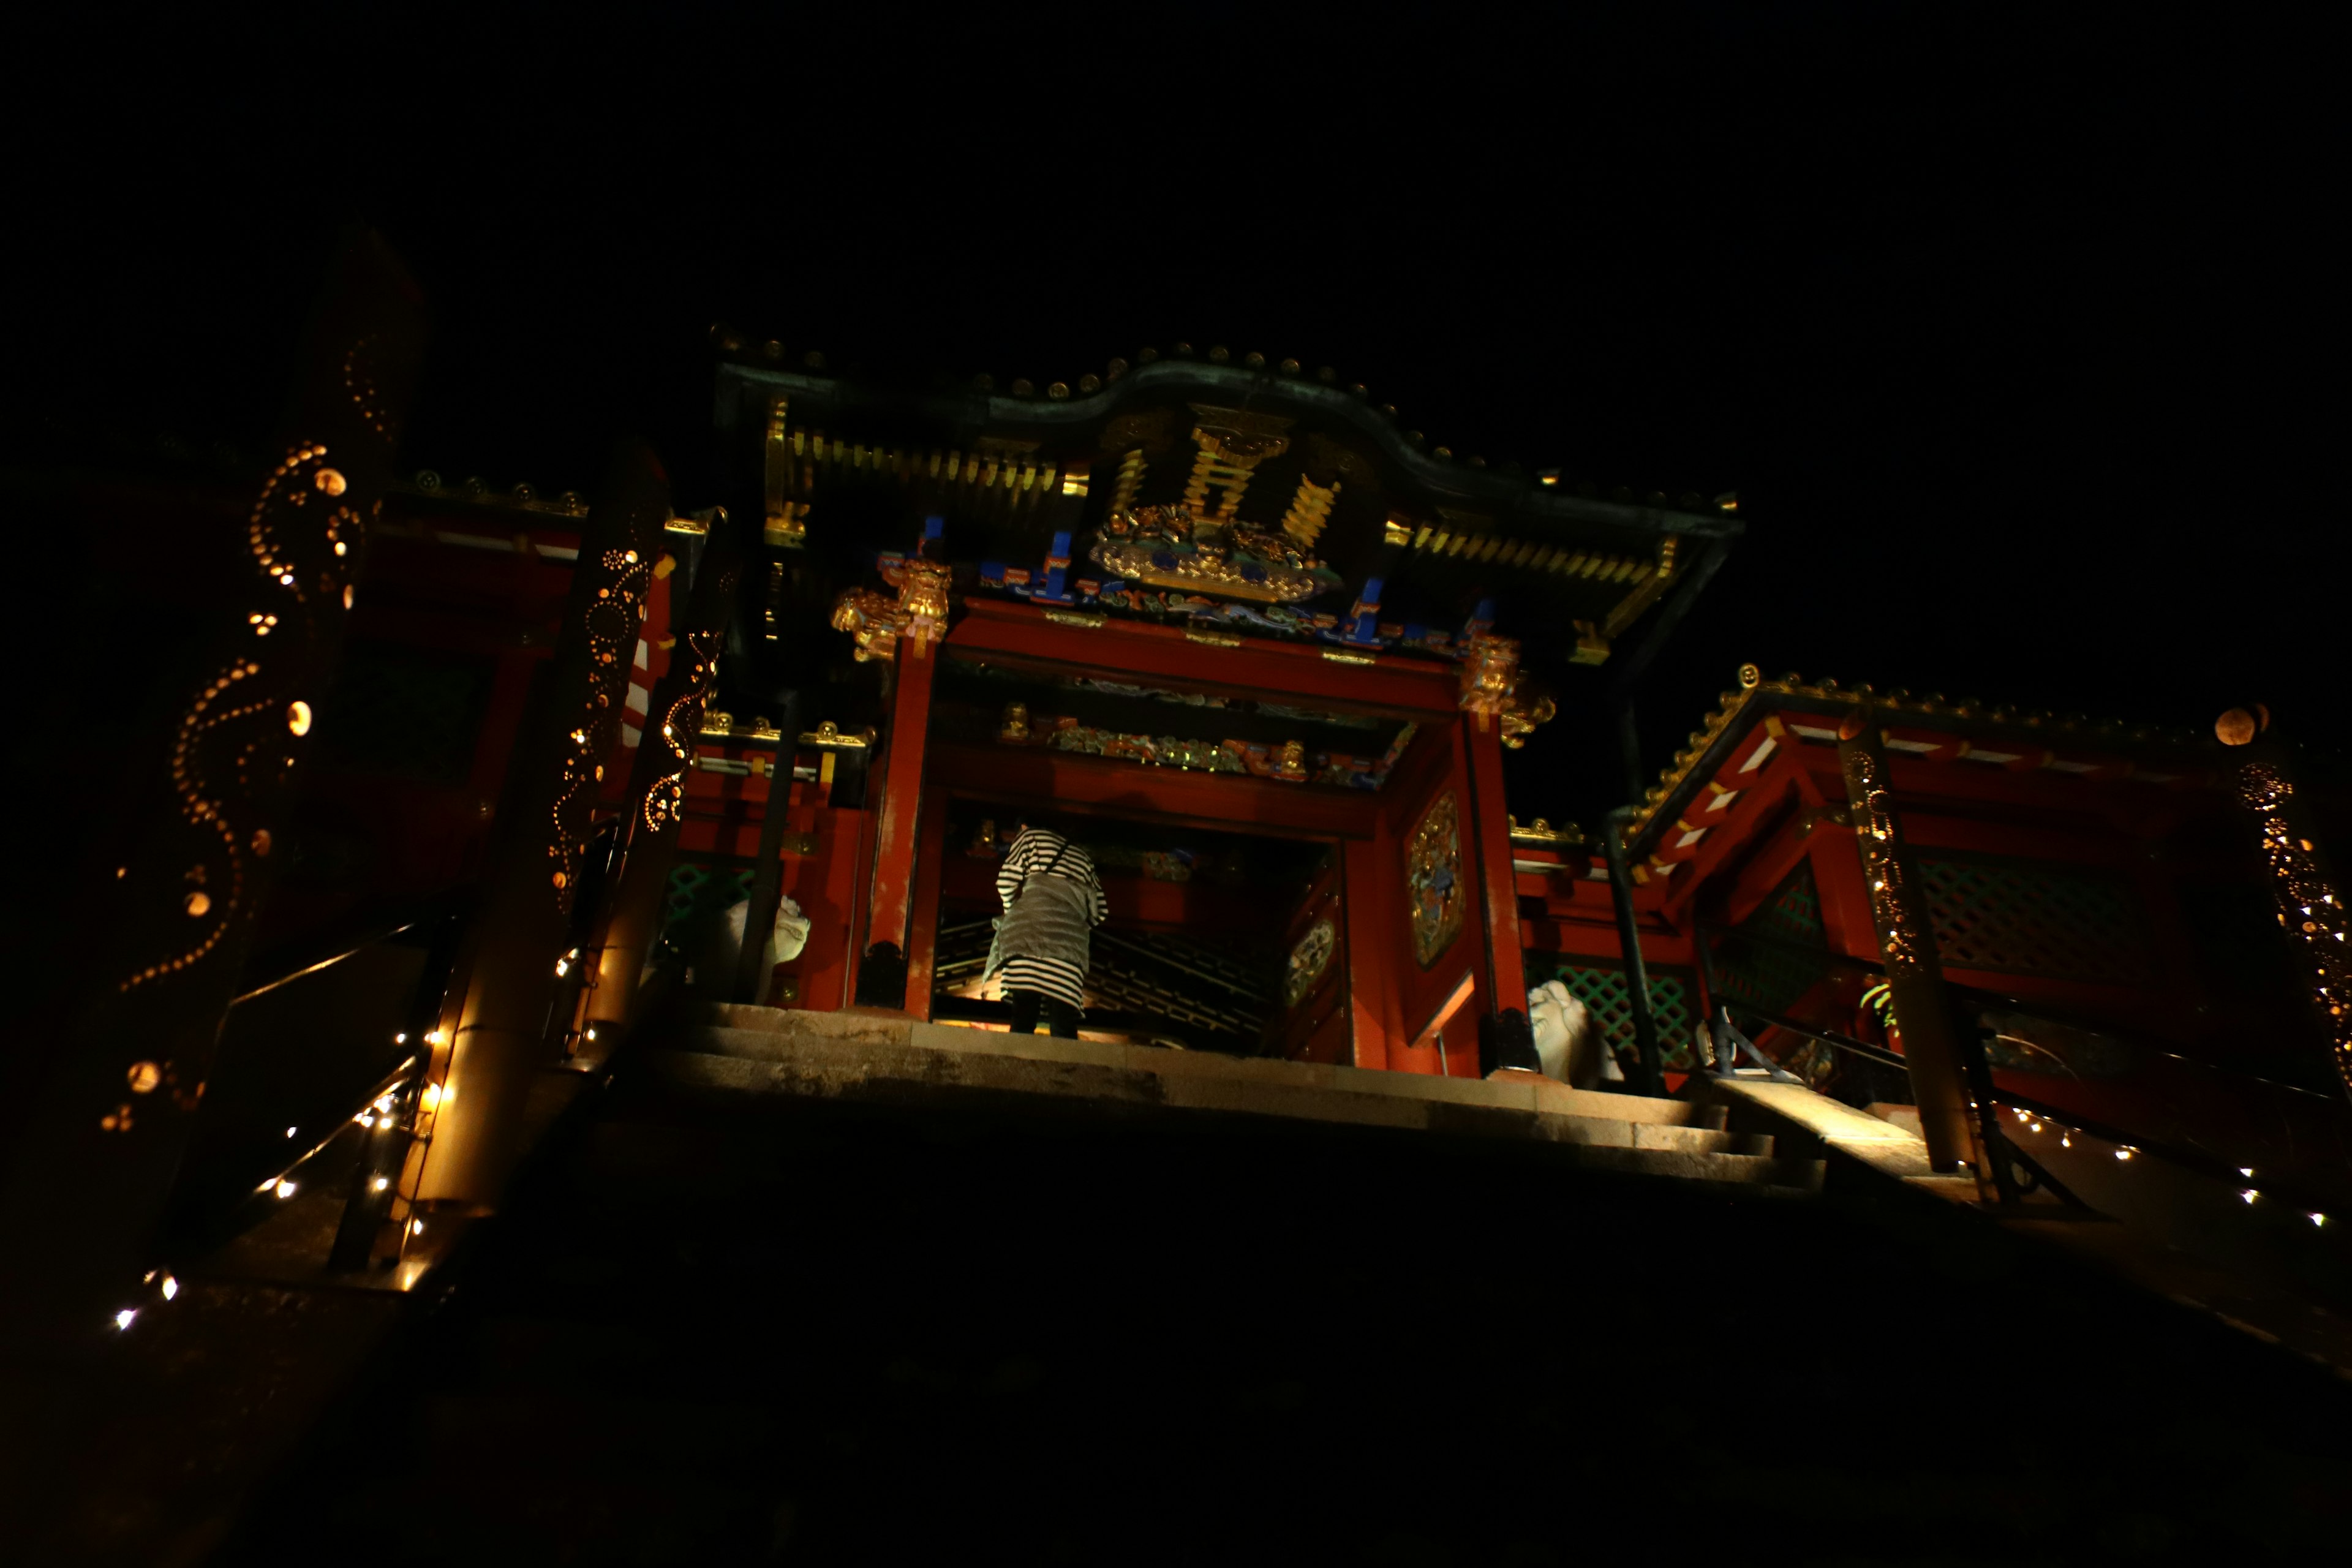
(2308, 908)
(2041, 1123)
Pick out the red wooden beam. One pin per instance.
(902, 790)
(1390, 685)
(922, 938)
(1489, 831)
(1023, 775)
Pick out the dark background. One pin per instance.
(2013, 331)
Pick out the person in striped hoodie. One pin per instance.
(1052, 901)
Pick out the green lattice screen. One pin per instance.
(2025, 917)
(700, 889)
(1602, 989)
(1773, 978)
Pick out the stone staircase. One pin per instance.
(821, 1288)
(741, 1054)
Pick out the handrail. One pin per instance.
(2034, 1006)
(1828, 1038)
(325, 954)
(2193, 1161)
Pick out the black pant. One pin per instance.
(1061, 1018)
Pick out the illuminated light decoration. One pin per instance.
(1881, 868)
(416, 1227)
(435, 1038)
(289, 1133)
(664, 801)
(612, 620)
(285, 1189)
(171, 1288)
(379, 1184)
(143, 1077)
(432, 1097)
(2125, 1154)
(123, 1320)
(2250, 1195)
(2317, 1218)
(206, 750)
(2307, 905)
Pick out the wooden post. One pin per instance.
(902, 791)
(752, 977)
(480, 1077)
(109, 1063)
(656, 799)
(1490, 845)
(1649, 1075)
(1906, 942)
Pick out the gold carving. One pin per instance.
(1231, 445)
(1432, 868)
(1075, 618)
(1651, 583)
(787, 529)
(918, 615)
(1489, 672)
(1337, 657)
(1518, 725)
(1212, 639)
(1149, 431)
(1171, 547)
(1015, 723)
(1310, 510)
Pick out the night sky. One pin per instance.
(2011, 335)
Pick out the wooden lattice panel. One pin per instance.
(1602, 990)
(698, 889)
(2024, 917)
(1769, 977)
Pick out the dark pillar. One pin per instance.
(656, 801)
(1906, 939)
(126, 1003)
(1649, 1076)
(480, 1079)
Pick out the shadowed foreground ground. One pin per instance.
(812, 1335)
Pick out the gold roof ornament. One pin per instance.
(918, 615)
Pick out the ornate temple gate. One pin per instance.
(1424, 922)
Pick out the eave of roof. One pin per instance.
(1713, 744)
(1522, 499)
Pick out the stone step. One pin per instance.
(667, 1158)
(770, 1033)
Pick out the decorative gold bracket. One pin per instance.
(918, 614)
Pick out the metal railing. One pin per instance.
(2015, 1173)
